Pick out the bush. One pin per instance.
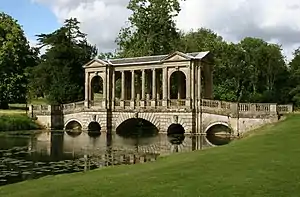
(17, 122)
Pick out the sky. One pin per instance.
(275, 21)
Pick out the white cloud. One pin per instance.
(232, 19)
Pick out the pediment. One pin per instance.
(96, 63)
(176, 56)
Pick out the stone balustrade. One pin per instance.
(207, 106)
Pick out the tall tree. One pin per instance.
(152, 29)
(15, 56)
(295, 77)
(60, 76)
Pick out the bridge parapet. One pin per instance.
(205, 105)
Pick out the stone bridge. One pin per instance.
(163, 90)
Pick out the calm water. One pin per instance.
(25, 157)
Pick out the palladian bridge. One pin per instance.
(173, 90)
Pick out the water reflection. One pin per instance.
(56, 152)
(219, 135)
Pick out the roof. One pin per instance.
(150, 59)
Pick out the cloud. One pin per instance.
(272, 20)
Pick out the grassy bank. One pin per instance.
(14, 122)
(263, 164)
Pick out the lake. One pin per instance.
(26, 156)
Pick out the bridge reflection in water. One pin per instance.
(56, 152)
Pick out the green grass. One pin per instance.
(263, 164)
(14, 122)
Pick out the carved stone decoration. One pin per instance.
(175, 119)
(94, 118)
(136, 114)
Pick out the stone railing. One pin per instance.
(178, 103)
(209, 106)
(73, 107)
(243, 108)
(283, 109)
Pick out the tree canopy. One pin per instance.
(151, 30)
(15, 56)
(59, 76)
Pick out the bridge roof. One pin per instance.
(151, 59)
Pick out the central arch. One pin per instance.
(146, 116)
(137, 127)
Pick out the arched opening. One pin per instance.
(97, 88)
(175, 134)
(219, 134)
(73, 128)
(137, 131)
(178, 85)
(94, 127)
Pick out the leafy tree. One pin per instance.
(295, 77)
(15, 56)
(151, 30)
(60, 76)
(108, 55)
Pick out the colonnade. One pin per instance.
(153, 87)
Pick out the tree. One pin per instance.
(15, 56)
(151, 30)
(295, 77)
(60, 76)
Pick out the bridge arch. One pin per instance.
(150, 117)
(71, 121)
(176, 120)
(215, 139)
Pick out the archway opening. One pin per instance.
(178, 85)
(73, 126)
(219, 135)
(175, 134)
(94, 127)
(137, 131)
(97, 88)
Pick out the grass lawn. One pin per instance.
(266, 163)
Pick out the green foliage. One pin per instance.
(15, 56)
(59, 76)
(151, 30)
(249, 71)
(295, 77)
(16, 122)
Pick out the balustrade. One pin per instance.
(213, 106)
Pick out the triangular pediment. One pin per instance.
(95, 63)
(176, 56)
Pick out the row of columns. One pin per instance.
(123, 81)
(193, 82)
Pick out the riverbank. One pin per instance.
(16, 122)
(264, 164)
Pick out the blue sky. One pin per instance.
(34, 18)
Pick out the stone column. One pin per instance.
(122, 89)
(153, 102)
(199, 84)
(142, 102)
(143, 84)
(188, 88)
(132, 89)
(104, 89)
(165, 87)
(86, 90)
(193, 85)
(153, 84)
(113, 88)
